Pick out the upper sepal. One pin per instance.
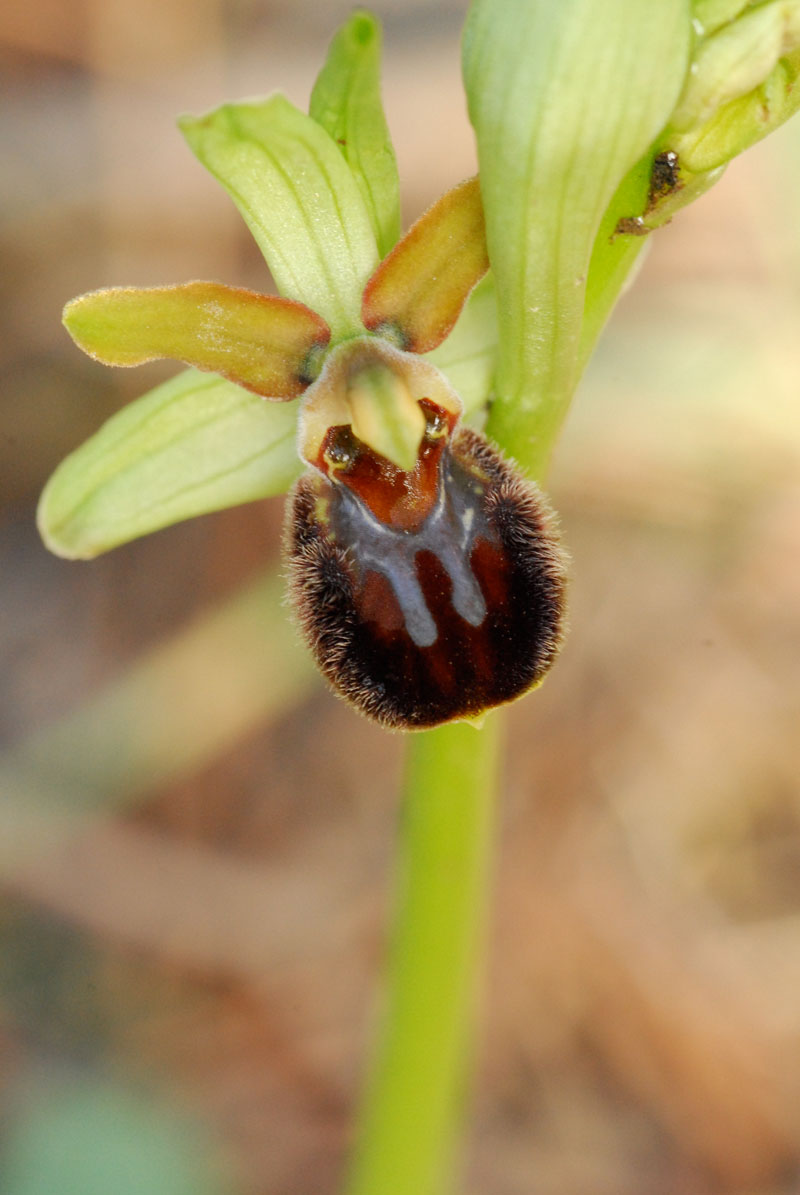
(266, 344)
(346, 101)
(299, 199)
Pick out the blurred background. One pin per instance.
(196, 838)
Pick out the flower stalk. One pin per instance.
(409, 1129)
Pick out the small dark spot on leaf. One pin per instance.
(630, 226)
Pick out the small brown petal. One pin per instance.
(266, 344)
(417, 292)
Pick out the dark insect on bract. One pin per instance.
(425, 595)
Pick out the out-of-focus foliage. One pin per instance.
(92, 1139)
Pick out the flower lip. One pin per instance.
(457, 612)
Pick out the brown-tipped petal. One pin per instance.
(417, 292)
(268, 345)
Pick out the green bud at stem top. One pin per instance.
(737, 59)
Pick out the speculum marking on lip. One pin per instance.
(449, 521)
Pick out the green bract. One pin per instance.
(565, 98)
(596, 122)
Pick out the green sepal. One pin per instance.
(346, 102)
(299, 199)
(195, 444)
(564, 99)
(268, 345)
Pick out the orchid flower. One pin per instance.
(423, 567)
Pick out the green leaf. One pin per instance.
(565, 98)
(263, 343)
(94, 1138)
(195, 444)
(467, 357)
(417, 292)
(346, 102)
(300, 201)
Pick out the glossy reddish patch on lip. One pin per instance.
(431, 595)
(400, 500)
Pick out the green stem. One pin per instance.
(613, 256)
(413, 1102)
(411, 1114)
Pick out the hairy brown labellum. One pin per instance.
(427, 595)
